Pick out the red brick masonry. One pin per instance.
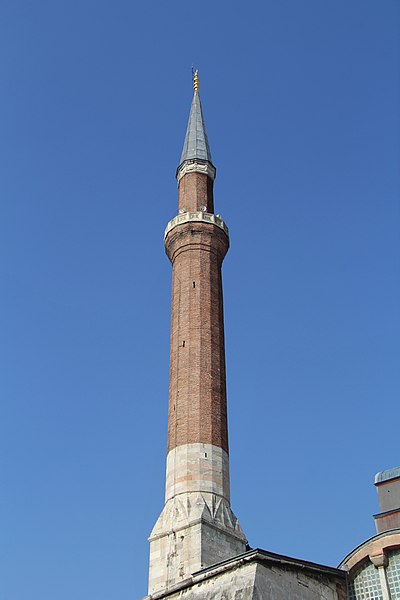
(197, 394)
(196, 190)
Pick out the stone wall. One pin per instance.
(256, 579)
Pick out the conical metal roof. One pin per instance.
(196, 143)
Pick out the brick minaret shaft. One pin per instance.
(197, 396)
(196, 527)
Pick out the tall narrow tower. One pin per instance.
(196, 527)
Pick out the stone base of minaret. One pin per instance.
(197, 527)
(195, 530)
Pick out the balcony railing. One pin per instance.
(203, 217)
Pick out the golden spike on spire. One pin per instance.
(196, 82)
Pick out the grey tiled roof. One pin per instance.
(196, 142)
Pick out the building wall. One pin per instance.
(389, 494)
(257, 581)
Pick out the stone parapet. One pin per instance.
(196, 166)
(196, 217)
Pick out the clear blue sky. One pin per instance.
(301, 101)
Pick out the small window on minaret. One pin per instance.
(183, 344)
(194, 284)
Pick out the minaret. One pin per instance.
(196, 528)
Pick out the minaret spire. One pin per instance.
(196, 172)
(197, 527)
(196, 146)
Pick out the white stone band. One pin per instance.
(196, 167)
(200, 216)
(197, 468)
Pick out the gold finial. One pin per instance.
(196, 82)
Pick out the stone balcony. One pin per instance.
(201, 216)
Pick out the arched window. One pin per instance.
(366, 584)
(393, 574)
